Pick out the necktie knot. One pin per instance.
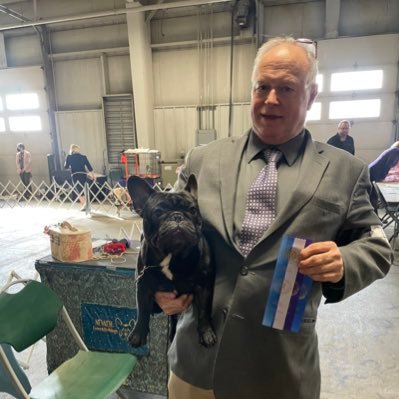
(272, 155)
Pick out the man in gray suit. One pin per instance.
(321, 197)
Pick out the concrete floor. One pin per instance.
(358, 338)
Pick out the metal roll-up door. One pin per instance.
(120, 126)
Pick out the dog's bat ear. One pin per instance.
(139, 191)
(192, 186)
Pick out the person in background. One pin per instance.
(380, 167)
(384, 168)
(23, 162)
(321, 196)
(342, 139)
(80, 170)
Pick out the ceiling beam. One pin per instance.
(12, 1)
(134, 9)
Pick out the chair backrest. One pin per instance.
(28, 315)
(7, 383)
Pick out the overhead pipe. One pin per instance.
(13, 14)
(112, 13)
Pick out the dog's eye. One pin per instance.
(157, 213)
(193, 211)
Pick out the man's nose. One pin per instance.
(272, 97)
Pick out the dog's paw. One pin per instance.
(208, 337)
(136, 340)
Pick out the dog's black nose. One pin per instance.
(177, 217)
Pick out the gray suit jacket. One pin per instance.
(330, 202)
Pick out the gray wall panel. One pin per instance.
(100, 37)
(23, 50)
(119, 75)
(86, 129)
(78, 84)
(298, 20)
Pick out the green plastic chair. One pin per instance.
(29, 315)
(6, 383)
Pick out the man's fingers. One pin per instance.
(322, 262)
(185, 300)
(171, 304)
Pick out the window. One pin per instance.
(358, 80)
(25, 123)
(314, 114)
(20, 112)
(22, 101)
(355, 109)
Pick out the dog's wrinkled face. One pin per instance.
(171, 221)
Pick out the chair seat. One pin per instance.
(88, 375)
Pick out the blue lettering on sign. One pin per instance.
(107, 328)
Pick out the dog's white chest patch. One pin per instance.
(165, 267)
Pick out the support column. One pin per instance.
(142, 78)
(3, 56)
(332, 18)
(50, 91)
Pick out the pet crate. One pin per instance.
(144, 163)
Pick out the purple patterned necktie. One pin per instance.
(260, 209)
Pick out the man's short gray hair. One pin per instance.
(309, 49)
(344, 121)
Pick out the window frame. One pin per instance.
(38, 111)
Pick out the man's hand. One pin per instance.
(172, 304)
(322, 261)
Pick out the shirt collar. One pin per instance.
(291, 149)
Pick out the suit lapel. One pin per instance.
(230, 160)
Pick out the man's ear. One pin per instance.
(313, 91)
(192, 186)
(139, 191)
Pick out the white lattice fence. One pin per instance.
(98, 198)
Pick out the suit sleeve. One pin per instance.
(365, 250)
(184, 173)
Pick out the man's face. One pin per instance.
(281, 96)
(343, 130)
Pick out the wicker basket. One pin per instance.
(69, 244)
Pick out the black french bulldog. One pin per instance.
(174, 256)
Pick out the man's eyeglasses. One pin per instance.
(311, 44)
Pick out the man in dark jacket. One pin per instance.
(342, 139)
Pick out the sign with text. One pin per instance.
(107, 328)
